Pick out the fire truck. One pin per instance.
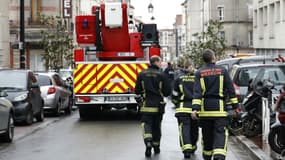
(112, 51)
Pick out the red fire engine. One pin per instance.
(109, 58)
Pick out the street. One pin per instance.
(116, 135)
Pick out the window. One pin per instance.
(250, 12)
(265, 15)
(271, 20)
(260, 23)
(223, 34)
(250, 38)
(255, 19)
(278, 13)
(283, 10)
(221, 13)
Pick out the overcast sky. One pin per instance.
(164, 11)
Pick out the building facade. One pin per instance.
(66, 9)
(4, 35)
(268, 27)
(167, 44)
(236, 16)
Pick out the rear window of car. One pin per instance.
(44, 80)
(245, 74)
(275, 74)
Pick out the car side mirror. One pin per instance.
(3, 94)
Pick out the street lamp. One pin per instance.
(150, 8)
(152, 18)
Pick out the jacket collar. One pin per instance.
(154, 67)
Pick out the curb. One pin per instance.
(34, 129)
(253, 150)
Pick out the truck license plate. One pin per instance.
(117, 98)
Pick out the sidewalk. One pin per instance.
(257, 148)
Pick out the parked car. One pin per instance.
(67, 76)
(242, 74)
(6, 118)
(24, 93)
(55, 92)
(229, 63)
(66, 73)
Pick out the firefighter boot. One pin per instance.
(156, 149)
(187, 154)
(148, 149)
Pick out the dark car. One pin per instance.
(242, 74)
(229, 63)
(6, 118)
(24, 93)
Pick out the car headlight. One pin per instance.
(21, 97)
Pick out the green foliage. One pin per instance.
(57, 43)
(210, 39)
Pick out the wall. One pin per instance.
(4, 34)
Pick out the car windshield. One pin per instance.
(44, 80)
(13, 79)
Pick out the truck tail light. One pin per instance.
(84, 99)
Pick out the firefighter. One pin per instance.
(182, 95)
(153, 86)
(212, 82)
(169, 71)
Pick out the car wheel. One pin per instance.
(40, 115)
(30, 116)
(9, 134)
(57, 108)
(68, 109)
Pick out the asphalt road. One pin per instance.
(112, 136)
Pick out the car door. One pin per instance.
(35, 93)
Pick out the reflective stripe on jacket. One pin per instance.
(182, 93)
(212, 82)
(153, 86)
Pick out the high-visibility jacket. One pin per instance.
(182, 93)
(212, 82)
(153, 85)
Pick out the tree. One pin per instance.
(57, 43)
(210, 39)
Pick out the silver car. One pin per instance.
(6, 118)
(55, 93)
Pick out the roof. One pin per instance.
(260, 65)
